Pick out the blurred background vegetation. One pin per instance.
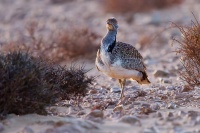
(65, 29)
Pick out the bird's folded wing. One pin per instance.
(130, 57)
(133, 64)
(98, 60)
(125, 50)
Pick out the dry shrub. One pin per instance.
(21, 88)
(78, 43)
(69, 83)
(189, 49)
(35, 44)
(121, 6)
(58, 45)
(28, 84)
(144, 41)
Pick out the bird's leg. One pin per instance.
(122, 83)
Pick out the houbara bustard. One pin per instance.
(120, 60)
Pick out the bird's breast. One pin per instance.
(104, 64)
(105, 58)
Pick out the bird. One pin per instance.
(120, 60)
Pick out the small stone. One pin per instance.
(27, 130)
(141, 93)
(136, 103)
(179, 67)
(181, 113)
(147, 130)
(155, 106)
(170, 88)
(115, 90)
(174, 58)
(177, 123)
(128, 82)
(146, 110)
(177, 129)
(193, 114)
(182, 95)
(145, 104)
(197, 131)
(103, 90)
(161, 122)
(166, 81)
(93, 91)
(172, 106)
(159, 114)
(197, 120)
(118, 108)
(162, 88)
(160, 73)
(151, 130)
(58, 123)
(1, 127)
(135, 88)
(130, 106)
(170, 114)
(131, 99)
(130, 119)
(68, 105)
(96, 113)
(88, 125)
(72, 110)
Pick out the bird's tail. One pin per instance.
(144, 79)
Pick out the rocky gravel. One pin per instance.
(168, 105)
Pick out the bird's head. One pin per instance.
(111, 24)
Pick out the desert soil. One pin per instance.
(167, 105)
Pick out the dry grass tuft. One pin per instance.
(59, 45)
(189, 47)
(120, 6)
(21, 88)
(69, 83)
(77, 43)
(144, 41)
(28, 84)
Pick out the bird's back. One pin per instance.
(129, 56)
(125, 50)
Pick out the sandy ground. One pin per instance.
(165, 106)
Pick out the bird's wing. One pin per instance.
(130, 57)
(98, 59)
(133, 64)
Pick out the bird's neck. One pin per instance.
(109, 41)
